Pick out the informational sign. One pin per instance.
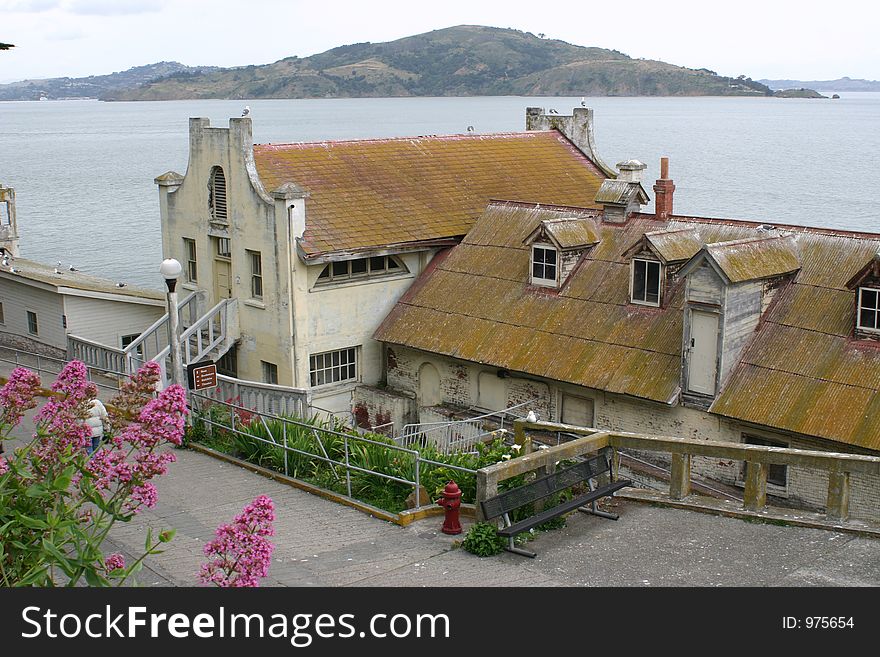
(201, 375)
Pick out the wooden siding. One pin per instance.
(18, 298)
(704, 286)
(742, 311)
(107, 321)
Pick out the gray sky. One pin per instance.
(804, 40)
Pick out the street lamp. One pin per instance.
(170, 270)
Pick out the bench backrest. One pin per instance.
(547, 485)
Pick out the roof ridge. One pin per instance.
(382, 140)
(746, 240)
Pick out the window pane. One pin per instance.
(377, 263)
(550, 256)
(869, 298)
(639, 280)
(359, 266)
(392, 264)
(868, 318)
(652, 293)
(325, 273)
(340, 269)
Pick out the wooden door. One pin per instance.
(222, 280)
(703, 353)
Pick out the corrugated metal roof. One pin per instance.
(755, 258)
(675, 246)
(573, 233)
(801, 372)
(370, 193)
(618, 192)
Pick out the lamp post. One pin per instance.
(170, 270)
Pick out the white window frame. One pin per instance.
(632, 277)
(544, 282)
(325, 370)
(191, 255)
(371, 269)
(876, 311)
(270, 372)
(255, 260)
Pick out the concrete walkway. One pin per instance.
(320, 543)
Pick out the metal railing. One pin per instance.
(288, 426)
(459, 435)
(260, 397)
(107, 379)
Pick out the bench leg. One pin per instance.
(594, 508)
(511, 546)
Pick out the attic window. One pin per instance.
(217, 195)
(869, 309)
(545, 265)
(645, 284)
(344, 270)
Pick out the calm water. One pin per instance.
(83, 170)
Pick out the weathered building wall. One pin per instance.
(106, 321)
(619, 413)
(742, 311)
(19, 297)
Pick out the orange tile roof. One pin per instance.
(800, 373)
(371, 193)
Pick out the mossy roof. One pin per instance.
(373, 193)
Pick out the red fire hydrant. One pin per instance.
(451, 501)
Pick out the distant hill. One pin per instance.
(94, 86)
(840, 84)
(458, 61)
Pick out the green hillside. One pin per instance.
(457, 61)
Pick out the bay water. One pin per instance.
(83, 170)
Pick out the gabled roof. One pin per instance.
(869, 271)
(670, 246)
(373, 193)
(620, 192)
(567, 233)
(749, 259)
(800, 373)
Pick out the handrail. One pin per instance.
(153, 329)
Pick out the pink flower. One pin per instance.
(243, 553)
(114, 562)
(4, 466)
(18, 395)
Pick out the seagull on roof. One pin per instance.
(553, 111)
(583, 102)
(531, 417)
(72, 268)
(120, 284)
(470, 128)
(246, 110)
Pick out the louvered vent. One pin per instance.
(217, 195)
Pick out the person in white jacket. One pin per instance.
(97, 422)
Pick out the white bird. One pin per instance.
(470, 128)
(583, 102)
(13, 270)
(553, 111)
(72, 268)
(57, 271)
(120, 284)
(246, 110)
(531, 417)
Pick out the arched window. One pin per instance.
(217, 195)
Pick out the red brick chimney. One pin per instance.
(663, 190)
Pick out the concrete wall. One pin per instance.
(458, 383)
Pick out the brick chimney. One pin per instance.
(663, 190)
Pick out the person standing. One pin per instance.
(97, 422)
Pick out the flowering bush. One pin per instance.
(241, 551)
(57, 504)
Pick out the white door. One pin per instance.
(703, 352)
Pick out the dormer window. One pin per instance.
(645, 282)
(869, 309)
(545, 265)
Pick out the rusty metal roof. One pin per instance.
(570, 232)
(800, 373)
(372, 193)
(753, 258)
(675, 246)
(620, 192)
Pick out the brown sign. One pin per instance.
(201, 376)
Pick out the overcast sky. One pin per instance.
(803, 40)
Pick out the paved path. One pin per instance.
(320, 543)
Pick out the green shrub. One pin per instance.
(483, 540)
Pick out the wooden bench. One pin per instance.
(543, 487)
